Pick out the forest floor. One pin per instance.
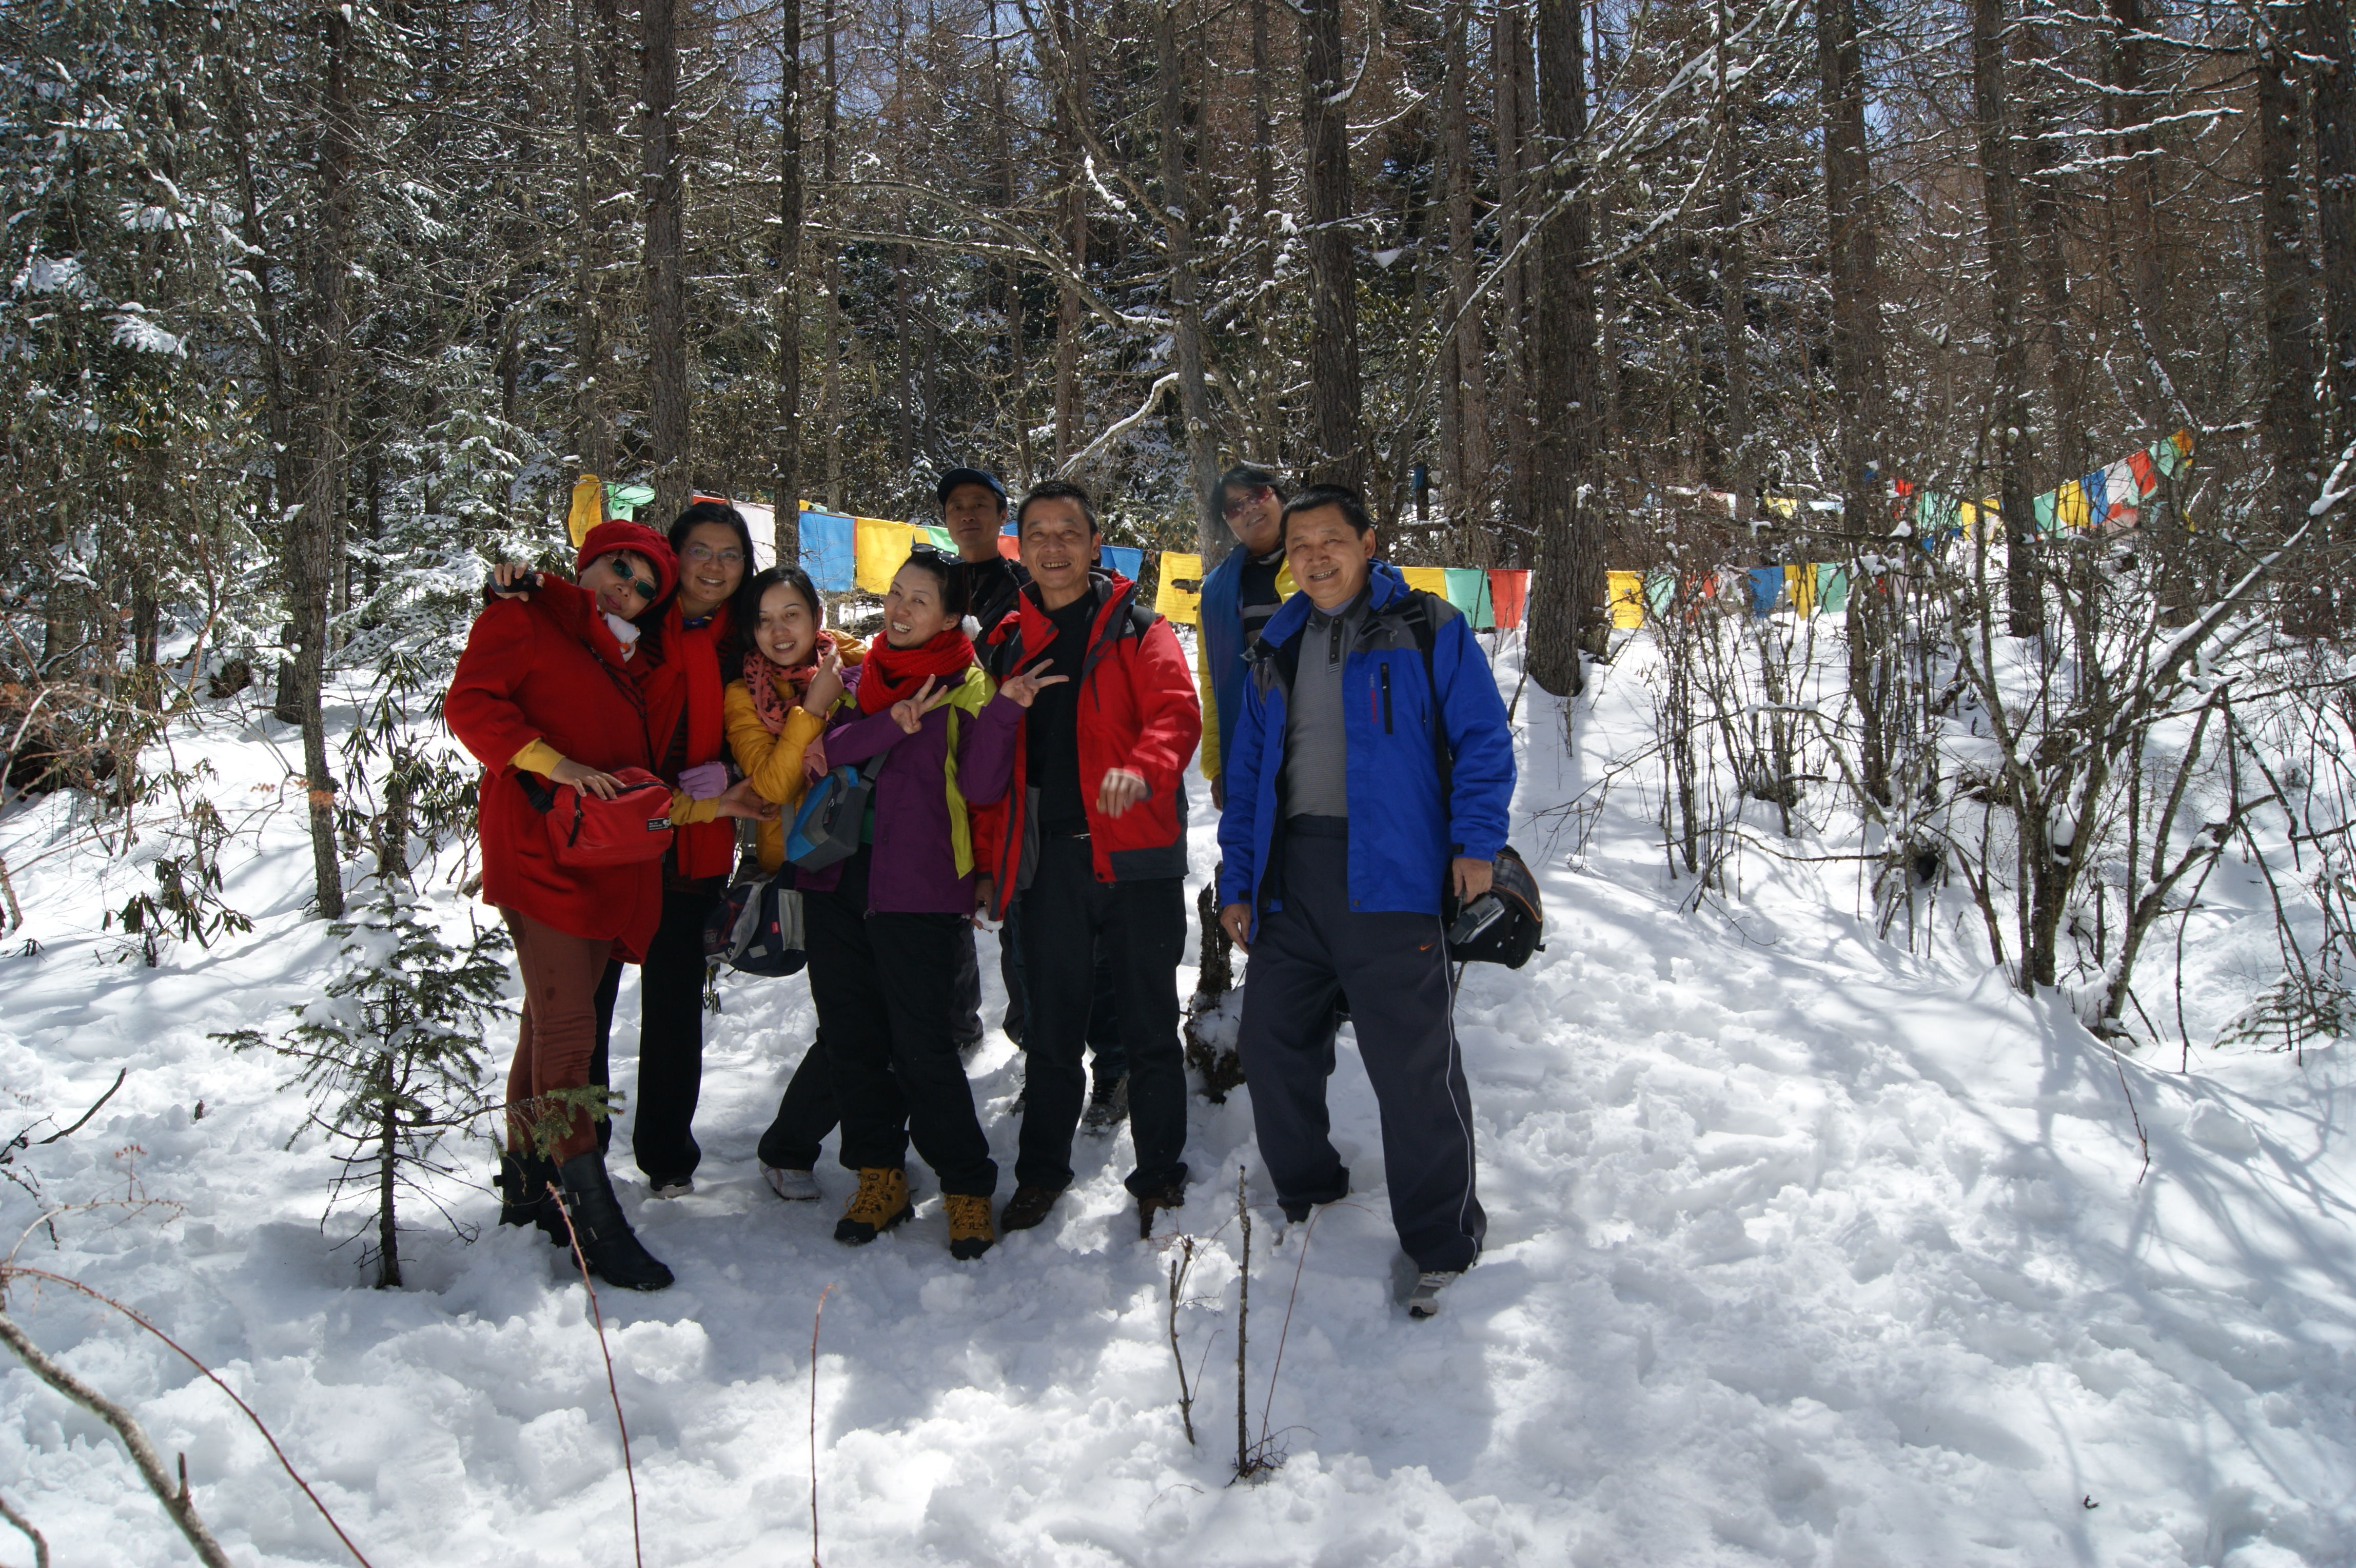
(1803, 1248)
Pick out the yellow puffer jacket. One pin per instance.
(774, 762)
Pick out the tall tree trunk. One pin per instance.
(1017, 379)
(2044, 209)
(904, 423)
(1851, 244)
(1509, 51)
(1178, 237)
(1268, 433)
(322, 405)
(592, 410)
(1071, 22)
(2288, 428)
(388, 1173)
(1568, 608)
(2000, 198)
(831, 391)
(665, 260)
(2138, 255)
(1857, 369)
(1337, 451)
(786, 457)
(2333, 113)
(1470, 480)
(1734, 274)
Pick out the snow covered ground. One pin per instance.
(1803, 1249)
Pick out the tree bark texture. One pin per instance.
(786, 449)
(2000, 198)
(2288, 427)
(1513, 100)
(664, 182)
(1338, 449)
(1470, 483)
(1849, 216)
(322, 407)
(2332, 111)
(1177, 227)
(1567, 609)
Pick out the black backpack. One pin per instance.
(757, 928)
(1511, 929)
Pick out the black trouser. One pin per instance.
(1395, 967)
(886, 987)
(1140, 928)
(967, 1004)
(807, 1113)
(1104, 1056)
(670, 1040)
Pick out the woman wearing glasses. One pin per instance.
(550, 685)
(699, 648)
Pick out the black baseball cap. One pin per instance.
(957, 477)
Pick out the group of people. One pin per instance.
(1025, 726)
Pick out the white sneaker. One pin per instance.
(793, 1185)
(679, 1188)
(1424, 1300)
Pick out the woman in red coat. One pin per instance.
(548, 685)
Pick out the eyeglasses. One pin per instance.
(699, 553)
(1233, 504)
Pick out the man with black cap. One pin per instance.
(974, 512)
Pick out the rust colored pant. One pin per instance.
(559, 1033)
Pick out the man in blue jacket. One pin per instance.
(1239, 595)
(1337, 847)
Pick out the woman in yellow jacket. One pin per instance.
(792, 679)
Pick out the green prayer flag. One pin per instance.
(1832, 588)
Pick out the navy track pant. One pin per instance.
(1395, 969)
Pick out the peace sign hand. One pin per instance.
(1023, 688)
(909, 712)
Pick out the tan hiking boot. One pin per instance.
(881, 1202)
(970, 1232)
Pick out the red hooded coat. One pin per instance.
(547, 668)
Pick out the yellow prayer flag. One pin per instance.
(588, 508)
(1800, 589)
(1170, 600)
(1625, 593)
(1430, 579)
(879, 548)
(2069, 509)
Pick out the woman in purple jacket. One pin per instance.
(882, 928)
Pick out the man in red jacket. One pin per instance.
(1092, 839)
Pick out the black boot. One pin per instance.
(607, 1241)
(523, 1184)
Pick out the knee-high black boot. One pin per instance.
(613, 1250)
(523, 1183)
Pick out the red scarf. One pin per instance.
(893, 674)
(686, 688)
(775, 688)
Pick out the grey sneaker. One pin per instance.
(677, 1187)
(1107, 1107)
(1424, 1300)
(793, 1185)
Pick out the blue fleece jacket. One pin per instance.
(1401, 835)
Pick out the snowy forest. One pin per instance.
(1930, 431)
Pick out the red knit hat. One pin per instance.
(620, 533)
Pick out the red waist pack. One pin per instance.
(590, 831)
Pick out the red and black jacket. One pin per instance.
(1136, 710)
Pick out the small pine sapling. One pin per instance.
(393, 1055)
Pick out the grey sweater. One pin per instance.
(1316, 741)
